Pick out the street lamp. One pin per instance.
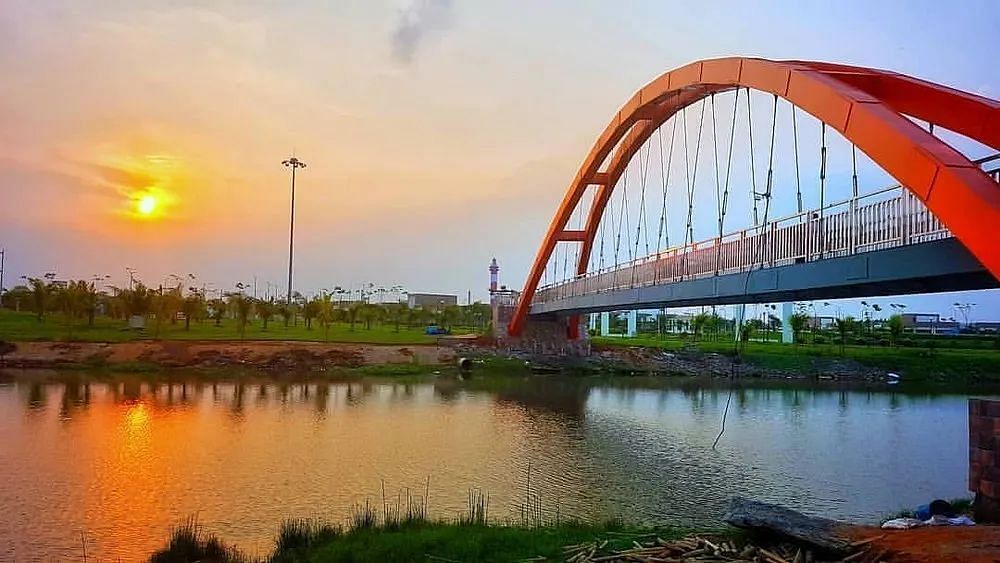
(292, 163)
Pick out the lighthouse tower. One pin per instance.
(494, 276)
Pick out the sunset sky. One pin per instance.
(438, 134)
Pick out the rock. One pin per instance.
(761, 516)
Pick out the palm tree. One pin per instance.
(352, 313)
(895, 328)
(218, 310)
(309, 311)
(41, 295)
(69, 301)
(265, 310)
(243, 307)
(698, 323)
(397, 313)
(287, 312)
(136, 302)
(844, 326)
(325, 312)
(166, 304)
(798, 323)
(193, 307)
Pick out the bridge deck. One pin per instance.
(942, 265)
(884, 243)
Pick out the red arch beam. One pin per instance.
(867, 106)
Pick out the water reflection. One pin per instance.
(129, 459)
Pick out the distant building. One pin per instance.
(928, 323)
(431, 301)
(821, 323)
(985, 326)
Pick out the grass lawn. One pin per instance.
(465, 543)
(914, 362)
(420, 540)
(15, 326)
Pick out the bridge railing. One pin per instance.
(888, 218)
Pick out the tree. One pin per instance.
(397, 314)
(325, 312)
(193, 307)
(698, 323)
(265, 310)
(895, 328)
(41, 295)
(309, 311)
(369, 312)
(243, 308)
(449, 315)
(136, 301)
(798, 323)
(352, 313)
(748, 328)
(165, 305)
(88, 300)
(218, 311)
(70, 300)
(844, 327)
(15, 296)
(287, 312)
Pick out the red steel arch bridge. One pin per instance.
(742, 180)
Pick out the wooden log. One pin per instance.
(787, 523)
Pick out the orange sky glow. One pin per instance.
(438, 134)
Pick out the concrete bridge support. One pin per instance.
(739, 317)
(549, 337)
(787, 310)
(605, 323)
(633, 317)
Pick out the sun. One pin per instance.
(146, 205)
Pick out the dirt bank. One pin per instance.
(974, 544)
(255, 354)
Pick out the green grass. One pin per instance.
(19, 327)
(916, 363)
(301, 541)
(466, 543)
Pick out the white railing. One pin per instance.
(887, 218)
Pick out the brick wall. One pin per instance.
(984, 458)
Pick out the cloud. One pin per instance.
(417, 22)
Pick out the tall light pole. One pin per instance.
(292, 163)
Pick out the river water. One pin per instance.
(116, 465)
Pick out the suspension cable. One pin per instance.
(643, 169)
(763, 226)
(729, 162)
(623, 216)
(606, 217)
(753, 173)
(718, 183)
(770, 169)
(694, 175)
(770, 157)
(666, 182)
(693, 181)
(579, 227)
(795, 141)
(822, 189)
(854, 166)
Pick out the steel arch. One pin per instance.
(867, 106)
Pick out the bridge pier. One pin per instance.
(739, 318)
(633, 318)
(605, 323)
(550, 337)
(787, 310)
